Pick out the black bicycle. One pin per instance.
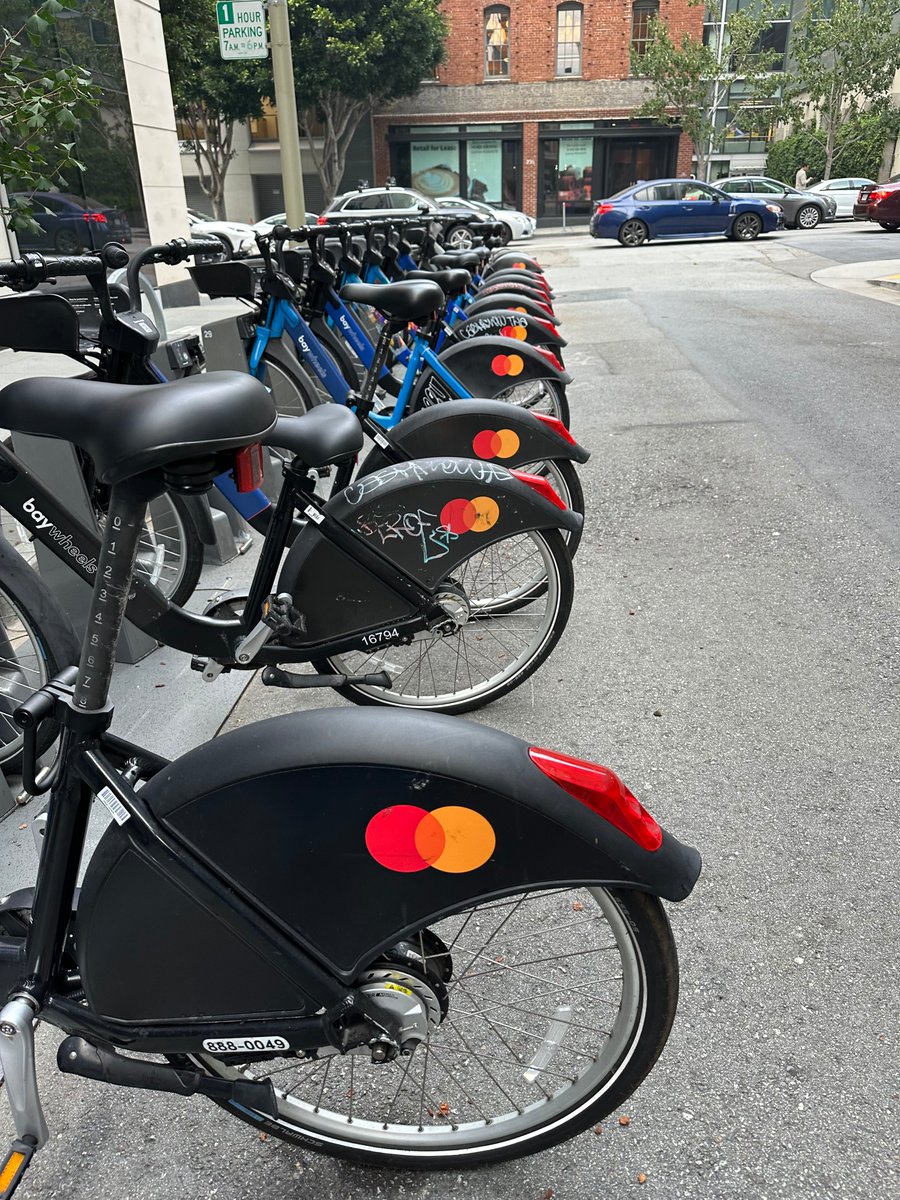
(433, 945)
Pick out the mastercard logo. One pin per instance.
(519, 266)
(518, 308)
(452, 839)
(502, 443)
(470, 516)
(514, 331)
(507, 364)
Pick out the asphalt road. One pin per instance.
(733, 654)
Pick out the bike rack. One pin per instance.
(56, 460)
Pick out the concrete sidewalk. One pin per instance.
(861, 278)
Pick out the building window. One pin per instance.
(568, 39)
(496, 42)
(264, 128)
(642, 13)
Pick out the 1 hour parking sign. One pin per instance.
(242, 28)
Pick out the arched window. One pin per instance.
(642, 13)
(496, 42)
(568, 39)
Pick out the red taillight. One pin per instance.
(602, 208)
(878, 196)
(98, 217)
(557, 426)
(542, 486)
(603, 792)
(248, 468)
(323, 220)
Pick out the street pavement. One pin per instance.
(733, 654)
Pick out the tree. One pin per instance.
(351, 56)
(210, 95)
(858, 151)
(41, 104)
(689, 83)
(845, 56)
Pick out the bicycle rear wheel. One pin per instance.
(546, 1010)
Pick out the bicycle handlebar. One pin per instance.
(27, 272)
(178, 250)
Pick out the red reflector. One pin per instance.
(248, 468)
(550, 356)
(557, 426)
(542, 486)
(603, 792)
(548, 326)
(603, 208)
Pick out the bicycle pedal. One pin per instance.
(15, 1165)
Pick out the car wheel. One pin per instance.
(506, 235)
(746, 228)
(808, 217)
(890, 226)
(633, 233)
(67, 242)
(459, 237)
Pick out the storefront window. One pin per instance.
(567, 171)
(435, 168)
(461, 164)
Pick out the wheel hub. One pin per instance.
(455, 604)
(409, 1001)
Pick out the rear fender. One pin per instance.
(516, 301)
(487, 366)
(537, 282)
(512, 258)
(489, 429)
(521, 327)
(426, 516)
(330, 851)
(518, 288)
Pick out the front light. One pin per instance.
(774, 208)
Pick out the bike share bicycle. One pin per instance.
(435, 583)
(433, 945)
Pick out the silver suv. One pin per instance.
(802, 210)
(382, 203)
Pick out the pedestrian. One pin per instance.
(801, 179)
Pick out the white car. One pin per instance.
(238, 239)
(519, 224)
(267, 224)
(843, 191)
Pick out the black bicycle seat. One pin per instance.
(326, 434)
(406, 301)
(469, 260)
(128, 430)
(450, 282)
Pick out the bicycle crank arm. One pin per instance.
(275, 677)
(78, 1057)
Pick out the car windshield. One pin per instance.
(200, 216)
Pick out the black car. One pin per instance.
(70, 224)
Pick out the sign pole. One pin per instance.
(286, 102)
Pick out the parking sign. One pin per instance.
(242, 29)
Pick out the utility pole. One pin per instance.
(286, 103)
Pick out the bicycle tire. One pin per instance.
(504, 655)
(168, 512)
(28, 612)
(454, 1125)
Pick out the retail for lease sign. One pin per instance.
(242, 28)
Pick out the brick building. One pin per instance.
(534, 107)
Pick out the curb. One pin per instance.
(887, 281)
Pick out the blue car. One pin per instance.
(686, 208)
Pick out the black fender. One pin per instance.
(512, 276)
(518, 288)
(285, 810)
(479, 429)
(486, 366)
(503, 323)
(513, 258)
(414, 513)
(516, 301)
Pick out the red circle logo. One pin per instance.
(452, 839)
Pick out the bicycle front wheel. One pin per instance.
(516, 599)
(547, 1009)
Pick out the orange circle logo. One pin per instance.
(476, 516)
(507, 364)
(500, 444)
(519, 332)
(452, 839)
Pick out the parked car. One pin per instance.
(382, 203)
(880, 202)
(842, 191)
(518, 224)
(70, 224)
(267, 224)
(237, 238)
(802, 210)
(665, 208)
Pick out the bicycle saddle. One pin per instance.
(407, 301)
(469, 260)
(128, 430)
(324, 435)
(451, 283)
